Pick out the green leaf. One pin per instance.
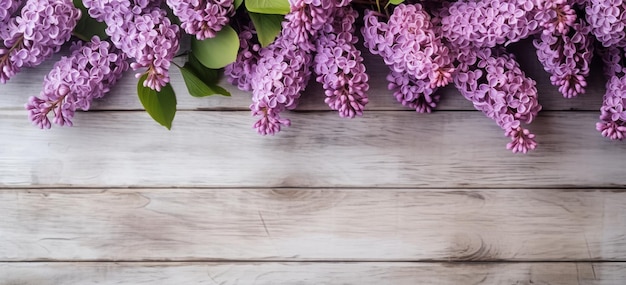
(267, 26)
(207, 75)
(87, 27)
(219, 51)
(238, 3)
(395, 2)
(268, 6)
(197, 88)
(160, 105)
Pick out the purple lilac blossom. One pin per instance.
(307, 17)
(613, 112)
(37, 33)
(567, 57)
(240, 72)
(87, 74)
(203, 18)
(495, 84)
(284, 67)
(555, 16)
(7, 10)
(487, 23)
(389, 41)
(339, 65)
(282, 72)
(468, 23)
(413, 46)
(413, 93)
(143, 32)
(607, 21)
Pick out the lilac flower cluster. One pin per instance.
(339, 65)
(7, 9)
(203, 18)
(411, 92)
(566, 56)
(239, 73)
(418, 59)
(33, 36)
(412, 46)
(282, 72)
(497, 86)
(613, 111)
(307, 17)
(75, 81)
(283, 68)
(142, 31)
(555, 16)
(469, 23)
(607, 22)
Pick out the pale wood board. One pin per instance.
(312, 273)
(383, 149)
(123, 96)
(312, 224)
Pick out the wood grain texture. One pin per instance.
(312, 273)
(123, 96)
(383, 149)
(312, 224)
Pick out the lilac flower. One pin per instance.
(283, 68)
(240, 72)
(606, 18)
(567, 57)
(375, 34)
(495, 84)
(143, 32)
(203, 18)
(87, 74)
(413, 93)
(37, 33)
(612, 113)
(468, 23)
(282, 72)
(416, 49)
(418, 60)
(339, 65)
(7, 9)
(555, 16)
(306, 18)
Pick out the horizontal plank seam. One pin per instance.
(494, 261)
(65, 187)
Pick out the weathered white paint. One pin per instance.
(388, 149)
(313, 273)
(312, 224)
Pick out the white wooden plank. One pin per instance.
(312, 273)
(123, 97)
(388, 149)
(312, 224)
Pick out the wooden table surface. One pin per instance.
(393, 197)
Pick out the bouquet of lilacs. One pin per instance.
(273, 47)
